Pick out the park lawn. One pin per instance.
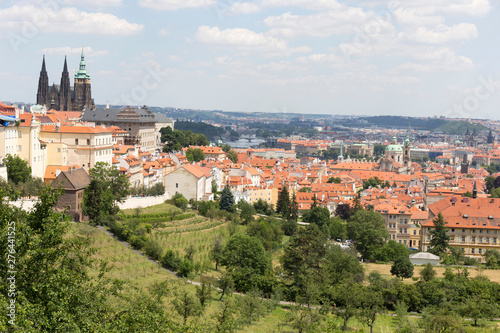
(385, 271)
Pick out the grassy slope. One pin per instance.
(140, 274)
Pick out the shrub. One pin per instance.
(153, 249)
(171, 260)
(138, 242)
(186, 268)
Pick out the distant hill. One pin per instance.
(427, 124)
(460, 127)
(211, 132)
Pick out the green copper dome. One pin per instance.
(393, 148)
(82, 72)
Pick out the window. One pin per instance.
(480, 239)
(88, 142)
(176, 185)
(414, 232)
(58, 150)
(463, 239)
(487, 239)
(76, 142)
(472, 250)
(406, 230)
(480, 231)
(473, 239)
(400, 230)
(494, 240)
(463, 230)
(452, 229)
(480, 251)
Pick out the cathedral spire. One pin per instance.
(42, 94)
(43, 65)
(65, 69)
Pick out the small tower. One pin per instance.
(464, 168)
(42, 94)
(474, 190)
(341, 156)
(406, 154)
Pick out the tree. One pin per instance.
(107, 187)
(245, 259)
(18, 170)
(283, 204)
(268, 231)
(263, 207)
(225, 147)
(343, 211)
(54, 290)
(251, 306)
(195, 154)
(335, 180)
(301, 261)
(317, 215)
(224, 316)
(226, 199)
(371, 303)
(337, 228)
(294, 209)
(439, 238)
(340, 265)
(187, 305)
(367, 229)
(216, 250)
(232, 155)
(349, 296)
(428, 273)
(204, 293)
(390, 251)
(247, 212)
(478, 308)
(402, 268)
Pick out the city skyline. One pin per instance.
(322, 57)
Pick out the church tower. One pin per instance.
(406, 155)
(83, 95)
(43, 86)
(65, 90)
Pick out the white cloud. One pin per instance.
(95, 3)
(163, 32)
(69, 20)
(307, 4)
(175, 4)
(246, 39)
(324, 24)
(67, 50)
(242, 8)
(443, 34)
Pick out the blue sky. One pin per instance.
(416, 58)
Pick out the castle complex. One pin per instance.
(64, 97)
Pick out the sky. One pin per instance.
(412, 58)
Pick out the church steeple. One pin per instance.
(42, 94)
(82, 71)
(65, 89)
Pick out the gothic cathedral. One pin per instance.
(63, 97)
